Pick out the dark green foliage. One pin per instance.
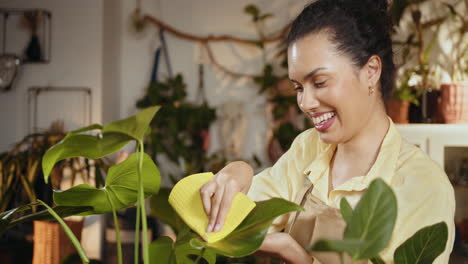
(286, 134)
(268, 79)
(178, 132)
(424, 246)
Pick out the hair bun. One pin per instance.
(379, 5)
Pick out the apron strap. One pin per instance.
(304, 199)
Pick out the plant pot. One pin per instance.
(454, 103)
(51, 244)
(398, 111)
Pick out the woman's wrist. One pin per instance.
(242, 172)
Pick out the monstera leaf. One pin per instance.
(164, 250)
(244, 240)
(113, 137)
(120, 190)
(249, 235)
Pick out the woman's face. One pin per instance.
(331, 91)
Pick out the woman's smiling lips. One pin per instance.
(323, 120)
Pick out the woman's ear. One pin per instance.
(373, 70)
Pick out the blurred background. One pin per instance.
(219, 70)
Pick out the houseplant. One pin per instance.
(369, 227)
(398, 105)
(138, 177)
(430, 41)
(126, 183)
(454, 91)
(183, 125)
(21, 182)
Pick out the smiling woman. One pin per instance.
(340, 61)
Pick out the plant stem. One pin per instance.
(141, 201)
(200, 256)
(137, 232)
(117, 230)
(342, 258)
(68, 232)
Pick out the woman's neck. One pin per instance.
(367, 142)
(356, 156)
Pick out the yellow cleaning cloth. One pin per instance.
(186, 200)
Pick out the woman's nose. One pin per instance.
(308, 100)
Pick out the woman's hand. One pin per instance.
(283, 246)
(218, 193)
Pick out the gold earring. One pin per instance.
(371, 90)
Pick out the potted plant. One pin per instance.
(21, 183)
(429, 44)
(454, 92)
(398, 105)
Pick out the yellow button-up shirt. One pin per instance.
(424, 194)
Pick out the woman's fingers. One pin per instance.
(215, 204)
(225, 206)
(206, 192)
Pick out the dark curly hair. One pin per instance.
(359, 28)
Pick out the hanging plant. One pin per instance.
(183, 125)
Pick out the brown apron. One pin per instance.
(317, 221)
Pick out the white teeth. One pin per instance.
(323, 118)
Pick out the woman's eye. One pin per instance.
(320, 84)
(298, 88)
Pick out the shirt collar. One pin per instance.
(384, 166)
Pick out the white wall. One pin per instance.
(76, 60)
(205, 17)
(93, 45)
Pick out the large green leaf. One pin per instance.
(249, 235)
(114, 136)
(88, 146)
(373, 220)
(183, 251)
(134, 126)
(346, 210)
(340, 246)
(162, 210)
(424, 246)
(162, 251)
(121, 187)
(84, 129)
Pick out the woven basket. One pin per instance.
(454, 103)
(51, 244)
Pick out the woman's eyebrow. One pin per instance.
(310, 74)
